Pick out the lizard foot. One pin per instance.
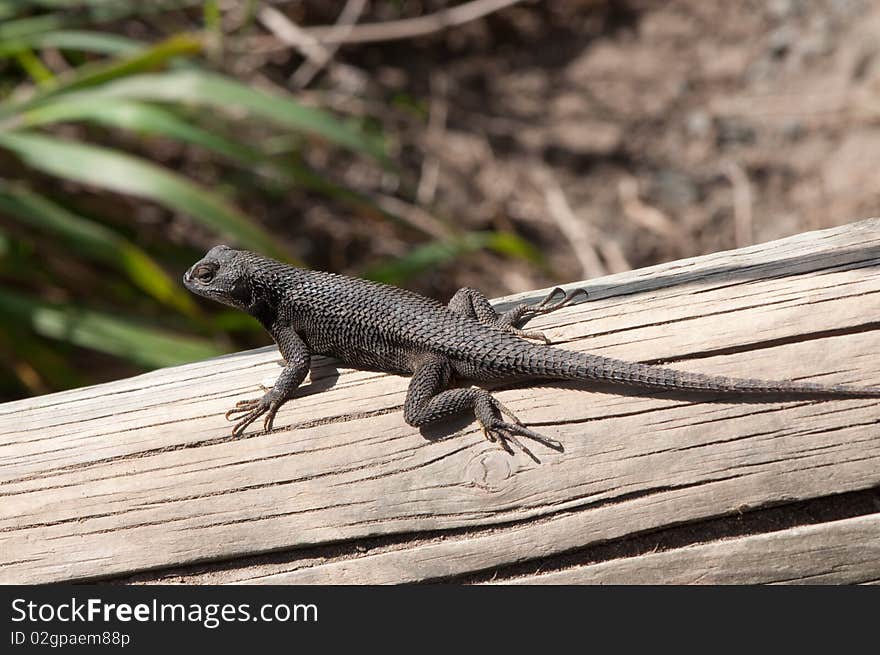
(549, 304)
(246, 412)
(546, 306)
(488, 411)
(505, 434)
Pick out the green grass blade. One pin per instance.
(94, 74)
(129, 339)
(202, 88)
(423, 257)
(157, 55)
(80, 40)
(439, 253)
(22, 27)
(213, 19)
(152, 119)
(34, 67)
(507, 243)
(137, 117)
(117, 8)
(94, 241)
(116, 171)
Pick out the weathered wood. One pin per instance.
(140, 474)
(837, 552)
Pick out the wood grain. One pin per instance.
(141, 475)
(837, 552)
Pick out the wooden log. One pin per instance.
(838, 552)
(139, 479)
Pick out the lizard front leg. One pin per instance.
(472, 303)
(427, 401)
(297, 359)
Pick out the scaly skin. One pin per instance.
(377, 327)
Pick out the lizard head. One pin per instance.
(221, 275)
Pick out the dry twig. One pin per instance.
(577, 232)
(414, 215)
(405, 28)
(344, 24)
(408, 28)
(291, 34)
(316, 53)
(742, 204)
(645, 216)
(436, 128)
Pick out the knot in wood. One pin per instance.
(489, 470)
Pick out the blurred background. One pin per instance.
(433, 144)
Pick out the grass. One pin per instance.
(98, 129)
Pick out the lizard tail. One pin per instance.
(595, 367)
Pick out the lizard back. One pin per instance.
(380, 327)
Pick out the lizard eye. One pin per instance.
(205, 273)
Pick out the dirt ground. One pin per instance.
(619, 134)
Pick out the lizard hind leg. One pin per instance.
(472, 303)
(428, 400)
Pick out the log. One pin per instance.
(138, 480)
(835, 552)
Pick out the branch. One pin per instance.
(394, 29)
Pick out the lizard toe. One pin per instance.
(246, 412)
(546, 306)
(548, 299)
(534, 335)
(239, 428)
(502, 434)
(507, 435)
(242, 407)
(497, 405)
(270, 416)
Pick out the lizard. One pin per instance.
(372, 326)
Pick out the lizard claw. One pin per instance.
(246, 412)
(546, 306)
(488, 413)
(504, 410)
(550, 296)
(505, 434)
(550, 303)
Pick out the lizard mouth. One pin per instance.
(190, 281)
(187, 277)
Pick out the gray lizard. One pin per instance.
(378, 327)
